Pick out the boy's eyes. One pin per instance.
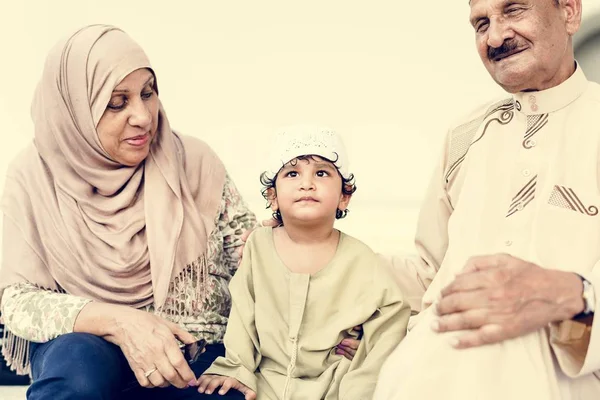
(320, 173)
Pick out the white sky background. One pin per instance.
(388, 75)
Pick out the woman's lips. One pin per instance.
(138, 141)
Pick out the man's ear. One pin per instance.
(572, 14)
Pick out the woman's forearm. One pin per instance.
(97, 319)
(39, 315)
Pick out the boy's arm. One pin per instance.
(241, 340)
(382, 334)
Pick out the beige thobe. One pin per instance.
(284, 326)
(521, 176)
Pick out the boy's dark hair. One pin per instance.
(348, 186)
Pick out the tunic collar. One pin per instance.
(553, 99)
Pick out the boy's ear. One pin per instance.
(272, 197)
(344, 201)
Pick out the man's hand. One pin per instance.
(349, 346)
(500, 297)
(209, 383)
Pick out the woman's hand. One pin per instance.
(147, 341)
(267, 222)
(208, 383)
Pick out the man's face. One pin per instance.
(526, 44)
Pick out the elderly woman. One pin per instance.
(120, 235)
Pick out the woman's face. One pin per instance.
(130, 120)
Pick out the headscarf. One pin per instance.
(102, 230)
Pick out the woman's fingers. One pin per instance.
(181, 334)
(157, 380)
(179, 373)
(153, 353)
(149, 342)
(142, 379)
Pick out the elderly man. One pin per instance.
(509, 233)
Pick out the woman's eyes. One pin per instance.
(119, 102)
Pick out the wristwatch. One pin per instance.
(589, 299)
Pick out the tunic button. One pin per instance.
(508, 243)
(526, 172)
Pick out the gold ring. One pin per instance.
(147, 374)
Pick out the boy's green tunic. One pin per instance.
(284, 326)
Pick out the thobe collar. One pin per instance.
(553, 99)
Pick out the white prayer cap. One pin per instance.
(303, 140)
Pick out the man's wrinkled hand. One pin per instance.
(349, 346)
(499, 297)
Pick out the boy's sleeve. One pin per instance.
(381, 334)
(241, 340)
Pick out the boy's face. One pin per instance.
(309, 190)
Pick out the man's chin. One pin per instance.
(513, 79)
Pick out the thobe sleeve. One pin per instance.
(414, 273)
(577, 345)
(381, 335)
(241, 339)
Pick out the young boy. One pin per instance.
(303, 286)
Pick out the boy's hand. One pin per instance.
(208, 383)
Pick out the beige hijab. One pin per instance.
(101, 230)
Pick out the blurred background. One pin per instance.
(389, 75)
